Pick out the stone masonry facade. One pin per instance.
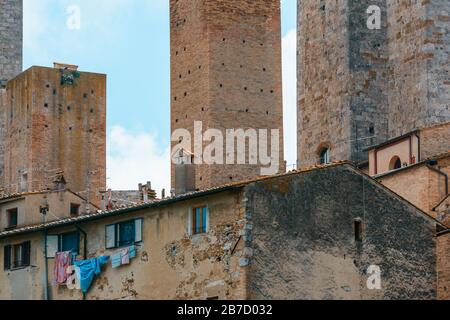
(359, 87)
(56, 130)
(11, 37)
(226, 72)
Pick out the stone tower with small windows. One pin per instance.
(359, 86)
(11, 39)
(342, 97)
(55, 131)
(226, 74)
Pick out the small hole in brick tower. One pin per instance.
(246, 110)
(92, 110)
(245, 88)
(70, 128)
(175, 98)
(185, 94)
(231, 178)
(203, 109)
(92, 91)
(46, 105)
(243, 41)
(184, 49)
(264, 69)
(223, 64)
(68, 108)
(267, 112)
(54, 91)
(90, 130)
(372, 130)
(46, 126)
(262, 90)
(271, 91)
(201, 178)
(176, 53)
(48, 86)
(176, 120)
(221, 85)
(199, 67)
(223, 39)
(85, 95)
(241, 66)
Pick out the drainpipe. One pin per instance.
(46, 295)
(438, 171)
(84, 249)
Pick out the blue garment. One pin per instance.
(132, 252)
(89, 269)
(116, 260)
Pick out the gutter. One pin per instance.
(46, 295)
(84, 248)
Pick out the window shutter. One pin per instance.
(52, 246)
(110, 236)
(26, 246)
(7, 257)
(138, 230)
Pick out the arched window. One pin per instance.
(324, 156)
(395, 163)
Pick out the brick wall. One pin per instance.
(2, 133)
(52, 128)
(226, 72)
(11, 34)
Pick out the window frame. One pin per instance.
(61, 239)
(8, 215)
(72, 205)
(204, 215)
(11, 262)
(116, 239)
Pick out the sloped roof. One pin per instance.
(167, 201)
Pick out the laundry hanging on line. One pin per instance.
(123, 257)
(88, 269)
(62, 261)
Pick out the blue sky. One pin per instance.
(129, 41)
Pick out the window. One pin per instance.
(69, 242)
(123, 234)
(199, 220)
(62, 243)
(324, 156)
(16, 256)
(12, 215)
(395, 163)
(74, 210)
(357, 226)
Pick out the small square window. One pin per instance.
(12, 215)
(199, 220)
(74, 210)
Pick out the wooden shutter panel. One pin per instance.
(7, 257)
(26, 246)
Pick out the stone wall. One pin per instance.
(419, 45)
(226, 72)
(303, 239)
(341, 80)
(11, 37)
(54, 128)
(2, 134)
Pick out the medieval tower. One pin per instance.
(11, 30)
(56, 131)
(226, 73)
(11, 43)
(359, 86)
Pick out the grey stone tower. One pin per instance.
(11, 39)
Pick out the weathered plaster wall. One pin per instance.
(435, 140)
(170, 264)
(304, 245)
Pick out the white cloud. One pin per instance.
(290, 96)
(136, 158)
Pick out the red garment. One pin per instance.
(62, 261)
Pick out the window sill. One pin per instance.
(18, 268)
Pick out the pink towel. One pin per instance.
(62, 261)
